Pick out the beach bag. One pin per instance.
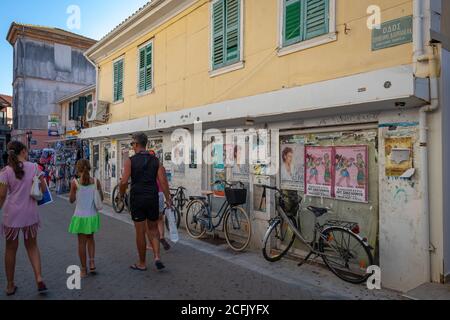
(97, 198)
(36, 192)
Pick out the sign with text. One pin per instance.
(393, 33)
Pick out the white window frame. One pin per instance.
(152, 89)
(122, 57)
(303, 45)
(235, 66)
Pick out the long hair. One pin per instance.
(14, 150)
(83, 171)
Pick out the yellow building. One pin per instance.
(329, 74)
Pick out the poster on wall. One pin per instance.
(399, 156)
(259, 147)
(178, 164)
(218, 169)
(351, 173)
(156, 145)
(318, 171)
(292, 162)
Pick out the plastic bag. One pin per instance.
(173, 231)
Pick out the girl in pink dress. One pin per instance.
(20, 212)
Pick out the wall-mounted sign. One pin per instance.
(393, 33)
(399, 155)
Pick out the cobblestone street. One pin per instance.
(195, 269)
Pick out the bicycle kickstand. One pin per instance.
(306, 259)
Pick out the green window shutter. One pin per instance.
(218, 34)
(89, 98)
(292, 26)
(70, 111)
(120, 83)
(142, 70)
(118, 80)
(316, 18)
(82, 106)
(148, 67)
(76, 105)
(232, 18)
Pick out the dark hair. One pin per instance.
(83, 170)
(286, 151)
(141, 139)
(14, 149)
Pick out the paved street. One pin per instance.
(195, 269)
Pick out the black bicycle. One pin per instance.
(179, 203)
(338, 243)
(119, 203)
(236, 222)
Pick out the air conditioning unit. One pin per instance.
(97, 112)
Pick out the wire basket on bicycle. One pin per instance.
(236, 196)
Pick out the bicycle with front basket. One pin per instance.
(338, 243)
(236, 222)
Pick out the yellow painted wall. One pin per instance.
(182, 58)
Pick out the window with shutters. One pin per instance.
(306, 20)
(118, 81)
(71, 110)
(226, 33)
(145, 72)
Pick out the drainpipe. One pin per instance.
(96, 76)
(421, 57)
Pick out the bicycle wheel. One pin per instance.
(345, 254)
(118, 204)
(280, 231)
(238, 229)
(196, 219)
(177, 218)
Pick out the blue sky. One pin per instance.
(98, 17)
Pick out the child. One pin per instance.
(86, 219)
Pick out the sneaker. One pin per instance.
(42, 288)
(165, 244)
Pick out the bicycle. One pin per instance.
(338, 243)
(119, 203)
(236, 226)
(179, 202)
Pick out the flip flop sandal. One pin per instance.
(9, 294)
(135, 267)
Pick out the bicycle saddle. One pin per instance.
(318, 212)
(201, 198)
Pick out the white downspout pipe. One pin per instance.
(421, 57)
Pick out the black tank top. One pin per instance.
(144, 172)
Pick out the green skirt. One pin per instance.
(85, 225)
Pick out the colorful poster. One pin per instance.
(399, 155)
(351, 173)
(318, 171)
(218, 170)
(292, 163)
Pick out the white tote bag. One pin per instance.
(173, 231)
(36, 192)
(97, 198)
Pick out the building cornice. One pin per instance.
(47, 34)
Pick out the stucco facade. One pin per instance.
(333, 90)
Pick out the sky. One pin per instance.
(97, 18)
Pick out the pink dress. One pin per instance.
(20, 211)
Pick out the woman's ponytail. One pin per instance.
(14, 150)
(83, 170)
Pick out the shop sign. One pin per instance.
(393, 33)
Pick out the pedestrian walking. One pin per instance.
(86, 219)
(145, 170)
(20, 212)
(5, 158)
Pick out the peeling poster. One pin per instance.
(399, 155)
